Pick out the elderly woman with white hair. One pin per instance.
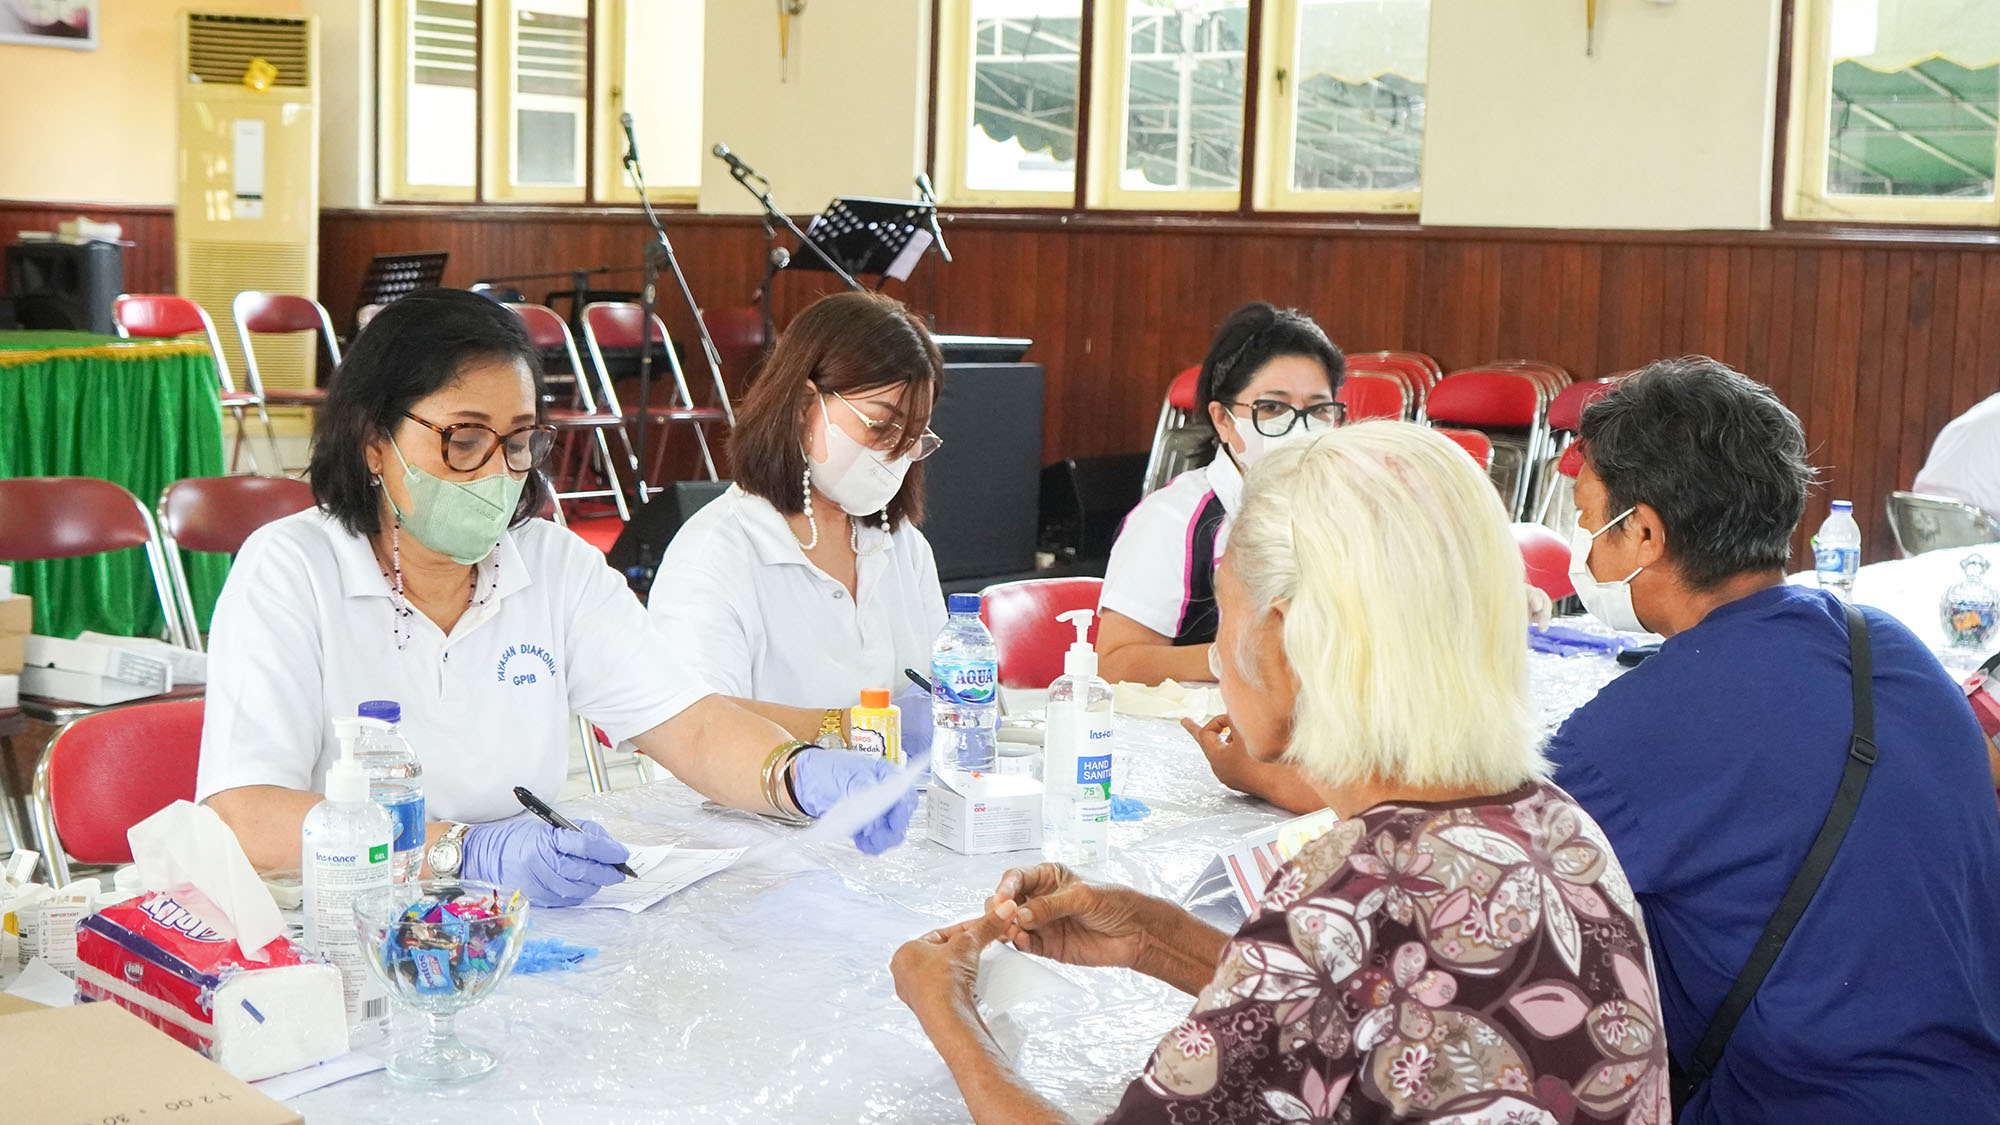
(1461, 945)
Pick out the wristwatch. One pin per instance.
(829, 736)
(448, 854)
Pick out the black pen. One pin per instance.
(918, 680)
(540, 808)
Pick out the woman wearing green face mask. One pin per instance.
(422, 578)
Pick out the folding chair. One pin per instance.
(1168, 459)
(163, 316)
(106, 772)
(1507, 406)
(1555, 505)
(270, 314)
(1374, 396)
(1475, 444)
(217, 514)
(547, 332)
(1930, 523)
(1417, 371)
(1022, 618)
(617, 325)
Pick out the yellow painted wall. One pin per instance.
(851, 119)
(98, 126)
(1667, 127)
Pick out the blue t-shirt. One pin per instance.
(1711, 766)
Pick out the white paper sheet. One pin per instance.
(42, 983)
(662, 869)
(351, 1065)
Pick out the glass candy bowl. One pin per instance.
(1971, 609)
(439, 946)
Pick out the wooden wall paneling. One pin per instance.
(149, 261)
(1903, 440)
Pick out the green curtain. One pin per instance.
(142, 414)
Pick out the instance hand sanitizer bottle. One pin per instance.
(1076, 764)
(344, 856)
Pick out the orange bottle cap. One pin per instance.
(875, 698)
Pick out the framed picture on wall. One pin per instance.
(50, 23)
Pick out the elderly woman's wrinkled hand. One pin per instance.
(1217, 744)
(939, 970)
(1049, 912)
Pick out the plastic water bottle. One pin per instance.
(1837, 550)
(344, 857)
(395, 781)
(965, 674)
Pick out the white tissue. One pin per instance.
(186, 845)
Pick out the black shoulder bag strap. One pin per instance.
(1861, 755)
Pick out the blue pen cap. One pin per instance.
(962, 603)
(387, 710)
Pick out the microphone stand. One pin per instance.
(661, 249)
(741, 173)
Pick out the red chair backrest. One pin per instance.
(156, 316)
(1485, 398)
(1421, 367)
(67, 518)
(738, 330)
(1180, 392)
(546, 330)
(1474, 443)
(1372, 396)
(1022, 618)
(1546, 556)
(219, 513)
(277, 312)
(1566, 410)
(615, 324)
(111, 770)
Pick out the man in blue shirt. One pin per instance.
(1712, 765)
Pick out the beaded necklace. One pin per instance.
(485, 578)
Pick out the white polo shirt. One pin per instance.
(1158, 575)
(751, 617)
(304, 632)
(1964, 462)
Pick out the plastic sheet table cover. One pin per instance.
(764, 994)
(1909, 590)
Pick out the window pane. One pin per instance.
(1915, 105)
(551, 91)
(1358, 95)
(441, 103)
(1184, 94)
(1025, 61)
(662, 92)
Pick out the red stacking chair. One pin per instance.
(1553, 504)
(617, 325)
(273, 314)
(1474, 443)
(1374, 396)
(1167, 461)
(75, 517)
(1419, 371)
(1507, 406)
(163, 316)
(590, 415)
(217, 514)
(1022, 618)
(106, 772)
(1546, 556)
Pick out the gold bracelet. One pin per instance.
(776, 791)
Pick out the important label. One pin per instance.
(341, 877)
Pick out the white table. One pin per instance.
(1909, 589)
(764, 993)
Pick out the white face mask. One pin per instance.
(1255, 444)
(1609, 602)
(857, 478)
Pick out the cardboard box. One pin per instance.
(981, 813)
(98, 1062)
(186, 665)
(107, 662)
(78, 687)
(17, 615)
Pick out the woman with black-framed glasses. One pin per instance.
(423, 577)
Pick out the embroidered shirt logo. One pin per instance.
(524, 664)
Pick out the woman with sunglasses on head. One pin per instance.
(422, 577)
(808, 581)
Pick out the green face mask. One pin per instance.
(462, 520)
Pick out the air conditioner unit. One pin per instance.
(246, 211)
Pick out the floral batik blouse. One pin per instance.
(1466, 962)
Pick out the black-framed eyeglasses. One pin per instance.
(1276, 419)
(888, 435)
(467, 446)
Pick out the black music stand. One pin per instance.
(390, 276)
(884, 237)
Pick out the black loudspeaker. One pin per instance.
(65, 285)
(980, 495)
(1085, 501)
(636, 554)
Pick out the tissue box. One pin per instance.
(981, 813)
(156, 958)
(185, 665)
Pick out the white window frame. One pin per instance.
(1277, 126)
(1109, 97)
(1807, 145)
(499, 103)
(613, 185)
(954, 118)
(395, 50)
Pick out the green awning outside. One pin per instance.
(1927, 129)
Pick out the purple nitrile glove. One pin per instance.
(917, 730)
(821, 778)
(552, 866)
